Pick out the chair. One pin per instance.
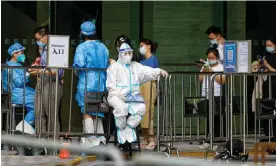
(6, 109)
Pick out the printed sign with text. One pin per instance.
(58, 51)
(230, 57)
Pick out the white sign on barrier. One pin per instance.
(244, 56)
(58, 51)
(237, 56)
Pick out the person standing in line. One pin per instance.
(212, 65)
(270, 66)
(148, 91)
(217, 41)
(41, 35)
(91, 54)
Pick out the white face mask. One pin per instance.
(212, 62)
(214, 41)
(125, 59)
(142, 50)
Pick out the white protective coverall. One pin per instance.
(123, 83)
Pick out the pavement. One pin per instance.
(188, 150)
(7, 159)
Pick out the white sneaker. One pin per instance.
(92, 141)
(204, 146)
(102, 139)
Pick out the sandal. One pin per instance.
(151, 146)
(143, 145)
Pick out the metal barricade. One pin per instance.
(230, 111)
(8, 80)
(231, 106)
(171, 107)
(177, 89)
(89, 105)
(156, 160)
(173, 67)
(6, 103)
(53, 80)
(34, 145)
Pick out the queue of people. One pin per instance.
(122, 79)
(214, 63)
(131, 84)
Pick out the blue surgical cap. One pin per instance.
(88, 28)
(15, 48)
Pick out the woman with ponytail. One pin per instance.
(148, 91)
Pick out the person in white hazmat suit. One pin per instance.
(123, 82)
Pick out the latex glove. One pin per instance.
(111, 61)
(27, 75)
(164, 73)
(122, 97)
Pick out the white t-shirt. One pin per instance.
(220, 49)
(217, 68)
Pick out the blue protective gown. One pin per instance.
(17, 90)
(91, 54)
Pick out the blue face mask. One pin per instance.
(21, 58)
(40, 44)
(270, 49)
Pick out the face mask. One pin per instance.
(212, 62)
(214, 41)
(126, 59)
(270, 49)
(21, 58)
(40, 44)
(142, 50)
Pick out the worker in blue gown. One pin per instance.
(91, 54)
(16, 58)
